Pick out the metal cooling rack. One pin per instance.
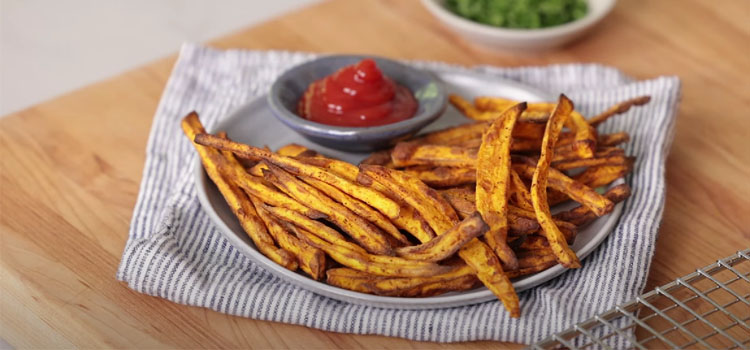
(707, 309)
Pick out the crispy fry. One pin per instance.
(489, 270)
(444, 245)
(519, 191)
(602, 175)
(575, 190)
(373, 264)
(413, 153)
(443, 176)
(557, 241)
(590, 162)
(426, 201)
(610, 140)
(467, 109)
(215, 165)
(376, 199)
(453, 135)
(295, 150)
(362, 231)
(460, 278)
(582, 215)
(619, 108)
(533, 264)
(382, 157)
(493, 180)
(359, 208)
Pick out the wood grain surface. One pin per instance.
(71, 168)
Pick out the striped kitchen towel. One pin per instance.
(175, 252)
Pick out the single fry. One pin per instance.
(614, 139)
(493, 182)
(454, 135)
(442, 176)
(382, 158)
(591, 162)
(519, 191)
(413, 153)
(556, 239)
(444, 245)
(376, 199)
(295, 150)
(365, 233)
(581, 215)
(603, 175)
(489, 270)
(215, 166)
(459, 278)
(619, 108)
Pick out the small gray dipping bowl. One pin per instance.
(287, 90)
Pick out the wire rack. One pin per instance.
(707, 309)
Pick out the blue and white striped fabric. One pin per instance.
(175, 252)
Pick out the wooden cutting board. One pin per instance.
(71, 168)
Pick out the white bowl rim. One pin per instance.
(465, 24)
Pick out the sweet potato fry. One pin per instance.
(603, 175)
(453, 135)
(572, 188)
(489, 270)
(467, 109)
(519, 191)
(590, 162)
(619, 108)
(444, 245)
(359, 208)
(614, 139)
(295, 150)
(215, 165)
(530, 264)
(569, 230)
(426, 201)
(582, 215)
(373, 264)
(557, 241)
(493, 182)
(362, 231)
(257, 187)
(382, 157)
(412, 153)
(376, 199)
(443, 176)
(460, 278)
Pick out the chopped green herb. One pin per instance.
(527, 14)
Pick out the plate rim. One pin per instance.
(475, 296)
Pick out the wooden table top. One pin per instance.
(71, 168)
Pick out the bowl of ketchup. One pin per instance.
(356, 103)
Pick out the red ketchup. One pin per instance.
(357, 95)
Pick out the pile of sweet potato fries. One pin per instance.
(445, 211)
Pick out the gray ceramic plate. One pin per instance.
(253, 124)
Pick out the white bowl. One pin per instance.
(524, 39)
